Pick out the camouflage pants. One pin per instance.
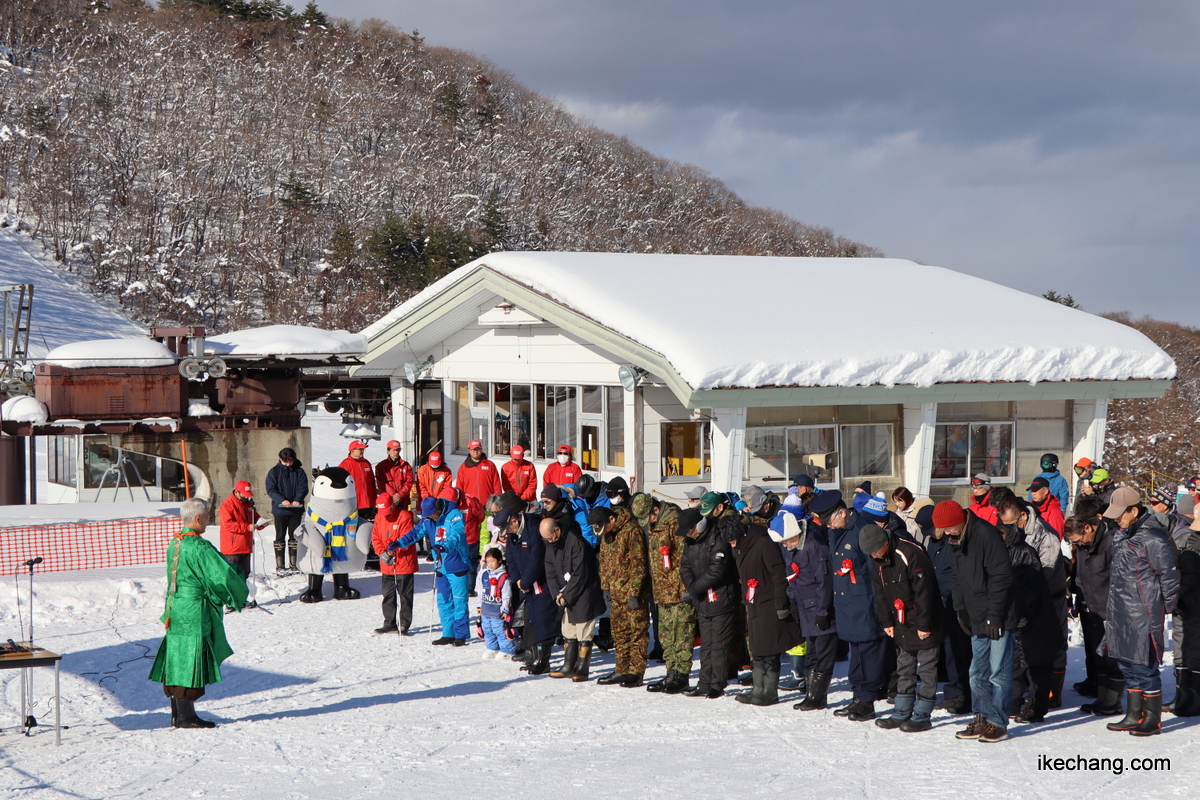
(630, 633)
(677, 632)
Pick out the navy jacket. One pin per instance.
(939, 551)
(526, 555)
(853, 597)
(811, 588)
(287, 483)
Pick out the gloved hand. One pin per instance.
(782, 613)
(560, 600)
(823, 622)
(994, 629)
(387, 557)
(633, 604)
(437, 549)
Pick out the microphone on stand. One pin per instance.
(32, 562)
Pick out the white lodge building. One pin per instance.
(741, 369)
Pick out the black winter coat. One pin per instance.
(571, 569)
(1188, 607)
(760, 565)
(907, 576)
(1093, 563)
(526, 555)
(1143, 588)
(1033, 614)
(982, 576)
(287, 483)
(708, 564)
(812, 587)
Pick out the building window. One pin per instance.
(558, 412)
(462, 415)
(780, 454)
(514, 416)
(685, 450)
(616, 426)
(866, 450)
(962, 449)
(62, 460)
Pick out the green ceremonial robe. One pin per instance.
(194, 646)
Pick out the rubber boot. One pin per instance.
(757, 675)
(1188, 705)
(795, 677)
(174, 713)
(292, 557)
(313, 595)
(1133, 716)
(603, 640)
(769, 695)
(570, 657)
(279, 567)
(1151, 723)
(919, 719)
(541, 659)
(902, 710)
(1056, 690)
(1108, 698)
(582, 663)
(186, 716)
(818, 690)
(1179, 688)
(342, 590)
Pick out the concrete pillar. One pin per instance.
(1089, 423)
(920, 420)
(404, 399)
(728, 448)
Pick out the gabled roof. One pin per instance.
(748, 323)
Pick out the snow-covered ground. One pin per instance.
(314, 705)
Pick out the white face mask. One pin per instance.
(564, 459)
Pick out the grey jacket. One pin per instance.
(1143, 589)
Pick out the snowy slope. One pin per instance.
(62, 312)
(746, 321)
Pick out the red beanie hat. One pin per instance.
(948, 514)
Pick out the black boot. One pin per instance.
(582, 663)
(1179, 688)
(632, 681)
(342, 590)
(603, 640)
(680, 685)
(174, 713)
(186, 716)
(818, 689)
(757, 677)
(1088, 687)
(1133, 716)
(661, 685)
(313, 595)
(610, 678)
(541, 658)
(1187, 704)
(1151, 723)
(1056, 689)
(279, 567)
(862, 711)
(1108, 698)
(769, 695)
(570, 658)
(292, 558)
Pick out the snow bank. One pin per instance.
(110, 353)
(747, 321)
(24, 408)
(286, 340)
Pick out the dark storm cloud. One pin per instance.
(1042, 145)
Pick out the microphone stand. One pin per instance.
(30, 721)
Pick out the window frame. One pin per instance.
(705, 442)
(845, 474)
(790, 471)
(971, 470)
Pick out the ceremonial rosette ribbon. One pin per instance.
(848, 569)
(666, 556)
(898, 604)
(795, 572)
(751, 588)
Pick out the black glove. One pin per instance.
(633, 604)
(782, 613)
(994, 630)
(823, 622)
(964, 620)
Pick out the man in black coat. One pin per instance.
(710, 577)
(287, 486)
(910, 611)
(769, 622)
(574, 580)
(1092, 538)
(956, 647)
(983, 604)
(526, 557)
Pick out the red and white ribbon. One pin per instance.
(537, 587)
(751, 588)
(848, 569)
(711, 595)
(666, 556)
(898, 604)
(795, 572)
(495, 584)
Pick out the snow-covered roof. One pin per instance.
(286, 340)
(111, 353)
(751, 321)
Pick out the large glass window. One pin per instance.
(592, 400)
(514, 416)
(780, 454)
(962, 449)
(684, 448)
(616, 426)
(62, 460)
(866, 450)
(559, 419)
(462, 415)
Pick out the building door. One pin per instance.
(430, 431)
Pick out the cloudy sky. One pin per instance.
(1039, 145)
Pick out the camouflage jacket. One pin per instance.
(623, 569)
(668, 588)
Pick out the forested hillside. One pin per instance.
(228, 170)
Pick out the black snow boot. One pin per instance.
(818, 690)
(582, 663)
(1056, 690)
(1133, 715)
(603, 640)
(185, 716)
(661, 685)
(292, 558)
(1151, 723)
(570, 657)
(1088, 687)
(769, 695)
(313, 595)
(1188, 704)
(174, 713)
(279, 565)
(862, 711)
(540, 664)
(342, 590)
(1108, 698)
(680, 685)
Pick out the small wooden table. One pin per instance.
(25, 661)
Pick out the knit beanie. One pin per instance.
(876, 508)
(948, 514)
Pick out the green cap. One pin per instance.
(641, 505)
(709, 501)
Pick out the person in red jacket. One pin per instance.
(394, 476)
(397, 565)
(981, 487)
(1047, 504)
(564, 470)
(478, 477)
(432, 477)
(519, 475)
(364, 479)
(239, 520)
